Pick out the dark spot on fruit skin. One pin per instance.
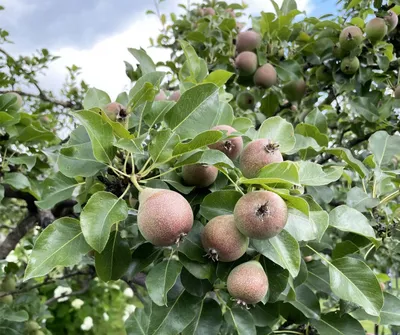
(349, 36)
(213, 254)
(234, 41)
(180, 238)
(263, 210)
(271, 147)
(228, 146)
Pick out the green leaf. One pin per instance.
(6, 313)
(160, 280)
(194, 112)
(153, 78)
(207, 321)
(280, 131)
(219, 203)
(390, 313)
(300, 226)
(100, 213)
(347, 156)
(176, 317)
(384, 147)
(95, 98)
(146, 92)
(317, 119)
(132, 146)
(28, 161)
(35, 133)
(195, 286)
(241, 320)
(288, 6)
(343, 249)
(56, 189)
(162, 145)
(218, 77)
(318, 277)
(175, 180)
(270, 103)
(146, 63)
(113, 262)
(348, 219)
(309, 130)
(276, 173)
(359, 200)
(154, 113)
(191, 246)
(194, 63)
(60, 244)
(353, 280)
(138, 321)
(277, 279)
(313, 174)
(306, 302)
(283, 250)
(1, 192)
(288, 70)
(17, 180)
(208, 157)
(100, 133)
(335, 324)
(365, 107)
(201, 140)
(198, 270)
(76, 158)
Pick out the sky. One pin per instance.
(95, 34)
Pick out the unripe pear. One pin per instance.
(222, 240)
(175, 96)
(38, 332)
(376, 29)
(248, 41)
(232, 147)
(199, 175)
(116, 112)
(295, 90)
(248, 283)
(260, 215)
(397, 92)
(338, 52)
(164, 217)
(8, 284)
(7, 299)
(31, 326)
(245, 100)
(258, 154)
(161, 96)
(209, 11)
(323, 74)
(350, 65)
(246, 63)
(350, 38)
(391, 20)
(265, 76)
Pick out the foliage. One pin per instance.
(339, 179)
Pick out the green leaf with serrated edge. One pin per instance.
(101, 212)
(28, 161)
(194, 112)
(218, 77)
(56, 189)
(146, 63)
(138, 321)
(219, 203)
(353, 280)
(160, 280)
(60, 244)
(335, 324)
(384, 147)
(191, 246)
(76, 158)
(154, 78)
(390, 313)
(162, 145)
(306, 302)
(282, 249)
(17, 180)
(208, 157)
(95, 98)
(348, 219)
(313, 174)
(201, 140)
(113, 262)
(176, 317)
(280, 131)
(241, 320)
(100, 133)
(276, 173)
(207, 321)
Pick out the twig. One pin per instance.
(83, 290)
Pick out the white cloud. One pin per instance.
(15, 10)
(103, 64)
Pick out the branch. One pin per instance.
(29, 198)
(43, 97)
(83, 290)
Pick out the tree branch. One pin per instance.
(9, 192)
(83, 290)
(43, 97)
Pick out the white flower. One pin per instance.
(60, 291)
(128, 292)
(77, 303)
(129, 309)
(105, 316)
(11, 257)
(87, 323)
